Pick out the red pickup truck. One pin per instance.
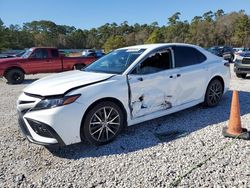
(39, 60)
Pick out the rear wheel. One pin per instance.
(214, 93)
(242, 75)
(103, 123)
(15, 76)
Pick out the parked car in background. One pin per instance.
(12, 53)
(240, 52)
(223, 51)
(39, 60)
(242, 64)
(242, 49)
(125, 87)
(86, 52)
(20, 53)
(96, 54)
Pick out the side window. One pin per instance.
(54, 53)
(40, 54)
(160, 61)
(185, 56)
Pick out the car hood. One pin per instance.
(10, 59)
(60, 83)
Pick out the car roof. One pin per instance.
(157, 45)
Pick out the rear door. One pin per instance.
(153, 84)
(193, 73)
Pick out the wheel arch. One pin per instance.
(111, 99)
(218, 77)
(78, 65)
(13, 67)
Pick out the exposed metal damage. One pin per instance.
(145, 104)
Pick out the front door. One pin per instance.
(42, 62)
(153, 84)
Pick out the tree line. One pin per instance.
(211, 28)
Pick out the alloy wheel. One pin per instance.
(104, 124)
(16, 76)
(215, 92)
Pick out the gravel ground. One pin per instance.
(185, 149)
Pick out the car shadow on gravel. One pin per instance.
(25, 82)
(29, 81)
(160, 130)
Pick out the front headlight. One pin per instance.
(55, 102)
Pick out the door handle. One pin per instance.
(140, 79)
(171, 76)
(178, 75)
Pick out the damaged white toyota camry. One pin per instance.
(127, 86)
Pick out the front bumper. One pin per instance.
(60, 125)
(38, 132)
(241, 68)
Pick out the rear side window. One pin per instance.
(54, 53)
(185, 56)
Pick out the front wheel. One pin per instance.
(103, 123)
(15, 76)
(214, 93)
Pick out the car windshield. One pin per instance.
(115, 62)
(27, 53)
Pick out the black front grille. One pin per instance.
(246, 61)
(22, 126)
(24, 111)
(244, 69)
(25, 102)
(40, 128)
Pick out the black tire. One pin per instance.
(15, 76)
(214, 93)
(242, 75)
(97, 129)
(79, 66)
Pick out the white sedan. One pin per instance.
(127, 86)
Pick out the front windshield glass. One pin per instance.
(115, 62)
(27, 53)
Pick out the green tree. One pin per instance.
(3, 42)
(174, 18)
(176, 31)
(77, 39)
(155, 37)
(242, 31)
(114, 42)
